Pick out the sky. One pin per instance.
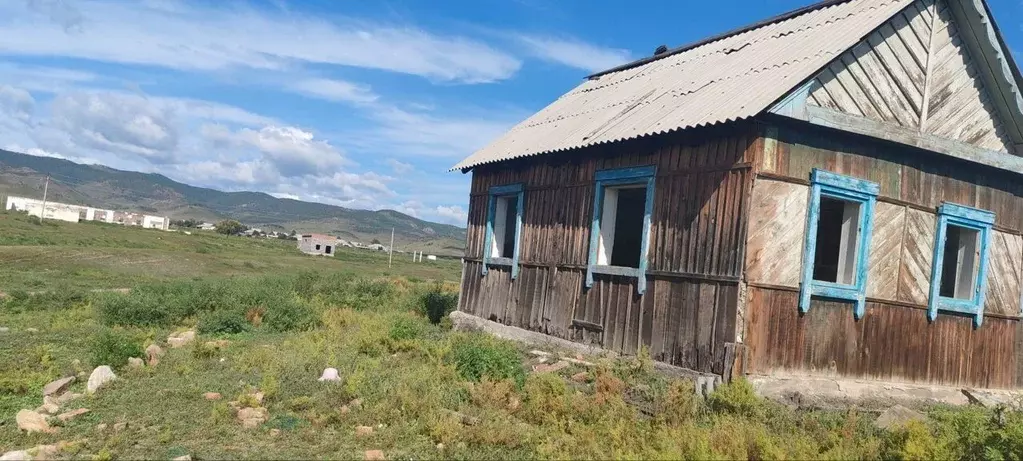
(362, 104)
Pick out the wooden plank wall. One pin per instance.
(894, 341)
(697, 243)
(915, 72)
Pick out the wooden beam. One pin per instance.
(926, 102)
(910, 137)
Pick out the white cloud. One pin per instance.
(16, 103)
(122, 123)
(420, 133)
(574, 53)
(400, 167)
(453, 214)
(194, 37)
(334, 90)
(291, 150)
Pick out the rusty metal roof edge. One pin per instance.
(682, 49)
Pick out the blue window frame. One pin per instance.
(838, 228)
(620, 232)
(504, 228)
(959, 269)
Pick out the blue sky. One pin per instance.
(354, 103)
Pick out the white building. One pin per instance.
(53, 210)
(75, 213)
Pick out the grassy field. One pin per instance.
(409, 386)
(37, 257)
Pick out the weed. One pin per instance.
(437, 304)
(114, 348)
(290, 315)
(736, 398)
(204, 351)
(405, 328)
(477, 356)
(222, 322)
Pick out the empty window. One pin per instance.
(503, 243)
(317, 246)
(327, 250)
(619, 238)
(621, 226)
(504, 223)
(960, 261)
(838, 227)
(838, 236)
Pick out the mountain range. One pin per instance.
(103, 187)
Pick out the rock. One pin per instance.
(211, 396)
(101, 427)
(183, 458)
(258, 396)
(464, 418)
(32, 330)
(330, 374)
(581, 377)
(69, 415)
(375, 455)
(218, 343)
(559, 365)
(153, 354)
(251, 418)
(440, 446)
(48, 409)
(355, 403)
(58, 387)
(120, 427)
(275, 432)
(30, 421)
(20, 455)
(363, 431)
(345, 410)
(181, 339)
(100, 376)
(898, 416)
(64, 398)
(135, 362)
(4, 329)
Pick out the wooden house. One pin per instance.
(834, 191)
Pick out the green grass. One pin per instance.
(428, 392)
(90, 256)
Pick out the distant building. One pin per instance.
(317, 244)
(76, 213)
(207, 226)
(431, 257)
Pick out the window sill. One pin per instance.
(508, 262)
(835, 291)
(617, 270)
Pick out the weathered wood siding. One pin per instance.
(890, 342)
(894, 341)
(915, 72)
(697, 243)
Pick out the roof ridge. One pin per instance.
(681, 49)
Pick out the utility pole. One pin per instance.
(46, 188)
(390, 252)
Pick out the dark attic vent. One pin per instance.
(661, 50)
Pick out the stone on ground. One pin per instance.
(57, 387)
(4, 329)
(251, 418)
(183, 458)
(330, 374)
(181, 339)
(37, 452)
(375, 455)
(581, 377)
(153, 354)
(135, 362)
(211, 396)
(363, 431)
(19, 455)
(120, 427)
(100, 376)
(48, 408)
(544, 368)
(69, 415)
(30, 421)
(898, 416)
(355, 403)
(63, 398)
(32, 330)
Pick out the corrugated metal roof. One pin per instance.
(725, 80)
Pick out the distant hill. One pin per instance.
(103, 187)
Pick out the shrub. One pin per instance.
(114, 348)
(736, 398)
(290, 315)
(204, 351)
(222, 322)
(405, 328)
(477, 356)
(437, 304)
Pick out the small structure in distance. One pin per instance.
(317, 244)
